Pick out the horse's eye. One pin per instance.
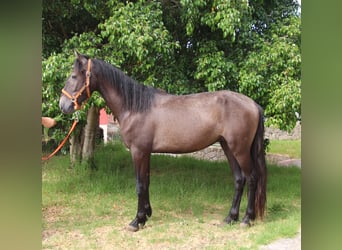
(73, 76)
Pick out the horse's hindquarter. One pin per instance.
(189, 123)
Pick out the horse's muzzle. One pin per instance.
(66, 105)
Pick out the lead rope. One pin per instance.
(44, 158)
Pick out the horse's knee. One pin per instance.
(239, 183)
(252, 180)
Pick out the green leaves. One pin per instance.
(271, 73)
(220, 15)
(226, 16)
(191, 13)
(135, 28)
(138, 35)
(213, 67)
(183, 47)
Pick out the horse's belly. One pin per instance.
(184, 139)
(187, 124)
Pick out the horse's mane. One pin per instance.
(136, 97)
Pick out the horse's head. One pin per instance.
(77, 86)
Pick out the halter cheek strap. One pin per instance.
(74, 98)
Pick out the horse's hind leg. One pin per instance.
(245, 162)
(239, 182)
(250, 213)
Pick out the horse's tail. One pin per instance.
(258, 157)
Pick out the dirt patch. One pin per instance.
(282, 160)
(52, 213)
(48, 233)
(284, 244)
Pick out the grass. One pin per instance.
(291, 148)
(84, 209)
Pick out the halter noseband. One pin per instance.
(74, 98)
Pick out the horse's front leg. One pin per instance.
(142, 170)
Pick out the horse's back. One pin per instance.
(204, 107)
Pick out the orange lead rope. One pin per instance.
(44, 158)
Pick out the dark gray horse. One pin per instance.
(154, 121)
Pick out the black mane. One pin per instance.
(136, 97)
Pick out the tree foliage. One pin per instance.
(181, 46)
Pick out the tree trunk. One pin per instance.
(90, 135)
(76, 146)
(82, 141)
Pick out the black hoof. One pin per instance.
(246, 222)
(132, 228)
(135, 225)
(229, 220)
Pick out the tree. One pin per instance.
(62, 19)
(249, 47)
(142, 42)
(271, 73)
(181, 46)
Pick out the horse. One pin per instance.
(153, 121)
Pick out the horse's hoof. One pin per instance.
(230, 221)
(132, 228)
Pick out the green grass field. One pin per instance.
(292, 148)
(85, 209)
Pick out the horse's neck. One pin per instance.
(113, 99)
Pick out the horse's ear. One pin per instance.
(81, 58)
(77, 54)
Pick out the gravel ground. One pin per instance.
(285, 244)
